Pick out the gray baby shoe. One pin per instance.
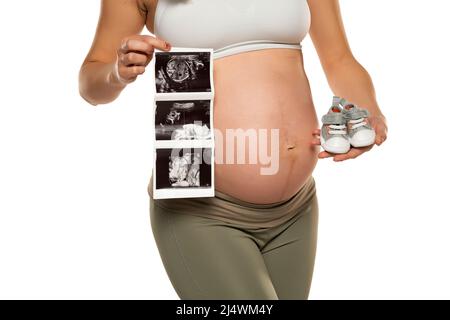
(360, 132)
(333, 135)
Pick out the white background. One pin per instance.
(74, 217)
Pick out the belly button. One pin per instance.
(290, 143)
(290, 147)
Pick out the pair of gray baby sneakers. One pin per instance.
(345, 125)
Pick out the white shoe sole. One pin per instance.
(364, 143)
(336, 150)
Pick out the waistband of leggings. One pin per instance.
(273, 205)
(230, 209)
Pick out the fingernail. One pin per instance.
(166, 44)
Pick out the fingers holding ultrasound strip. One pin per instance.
(134, 54)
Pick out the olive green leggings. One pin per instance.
(208, 258)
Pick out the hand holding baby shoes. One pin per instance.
(345, 125)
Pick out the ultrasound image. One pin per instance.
(183, 168)
(182, 72)
(182, 120)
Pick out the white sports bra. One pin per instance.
(232, 26)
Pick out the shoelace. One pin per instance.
(337, 129)
(357, 123)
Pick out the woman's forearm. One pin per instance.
(349, 80)
(98, 83)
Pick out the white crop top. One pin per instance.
(232, 26)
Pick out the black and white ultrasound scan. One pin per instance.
(184, 133)
(182, 72)
(183, 120)
(183, 168)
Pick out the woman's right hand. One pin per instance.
(134, 54)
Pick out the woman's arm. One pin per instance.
(346, 77)
(118, 53)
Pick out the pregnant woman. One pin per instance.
(256, 239)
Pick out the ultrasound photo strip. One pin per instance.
(183, 119)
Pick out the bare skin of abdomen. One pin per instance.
(263, 89)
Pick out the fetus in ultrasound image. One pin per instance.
(182, 72)
(182, 120)
(183, 168)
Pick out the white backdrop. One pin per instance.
(74, 219)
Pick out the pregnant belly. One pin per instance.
(263, 118)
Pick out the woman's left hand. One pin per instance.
(378, 123)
